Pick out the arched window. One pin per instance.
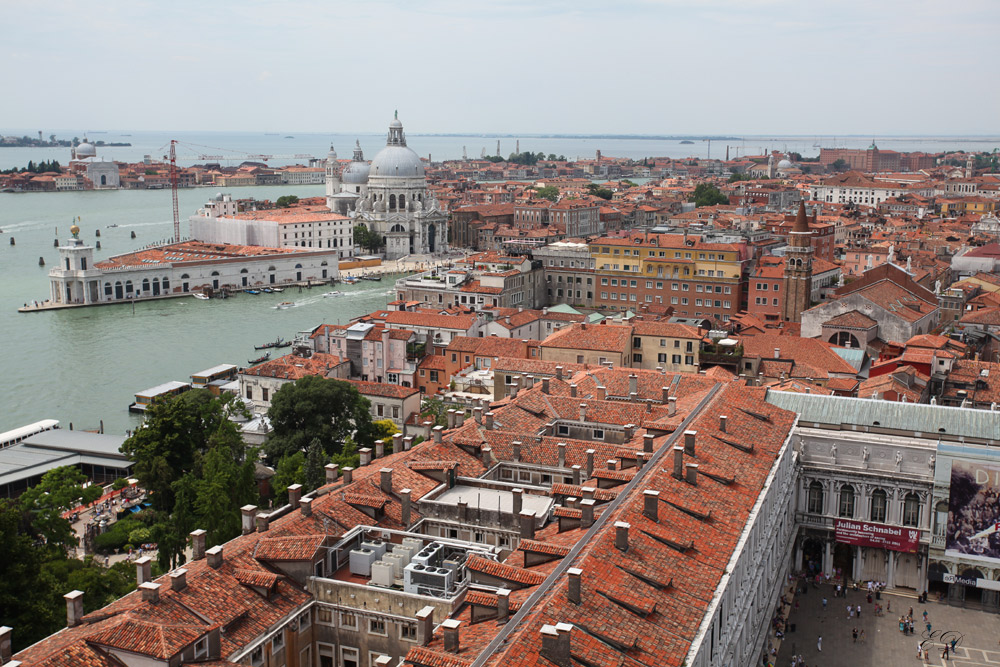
(107, 289)
(298, 266)
(166, 283)
(815, 500)
(244, 271)
(940, 518)
(392, 202)
(215, 273)
(402, 202)
(184, 276)
(271, 268)
(879, 504)
(145, 284)
(846, 508)
(911, 510)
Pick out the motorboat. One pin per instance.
(278, 290)
(284, 304)
(199, 295)
(333, 293)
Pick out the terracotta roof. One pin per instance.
(300, 547)
(851, 319)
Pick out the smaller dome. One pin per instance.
(356, 173)
(785, 164)
(332, 155)
(395, 123)
(85, 149)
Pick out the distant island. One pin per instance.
(33, 142)
(687, 141)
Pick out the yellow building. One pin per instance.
(671, 347)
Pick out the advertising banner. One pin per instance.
(974, 511)
(865, 534)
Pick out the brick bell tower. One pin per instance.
(798, 268)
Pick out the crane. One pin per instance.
(173, 190)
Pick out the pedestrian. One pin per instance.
(953, 642)
(854, 634)
(920, 649)
(925, 615)
(859, 611)
(824, 604)
(888, 605)
(862, 635)
(819, 644)
(944, 655)
(838, 591)
(850, 611)
(928, 627)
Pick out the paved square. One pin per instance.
(977, 632)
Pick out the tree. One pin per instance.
(384, 429)
(839, 164)
(628, 184)
(60, 489)
(315, 407)
(598, 191)
(286, 200)
(434, 407)
(290, 470)
(706, 194)
(367, 239)
(552, 157)
(314, 473)
(549, 192)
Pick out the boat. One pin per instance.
(374, 278)
(284, 304)
(261, 359)
(111, 226)
(265, 346)
(266, 290)
(278, 290)
(333, 293)
(287, 343)
(199, 295)
(251, 291)
(351, 280)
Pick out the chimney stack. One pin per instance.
(294, 493)
(405, 508)
(572, 390)
(665, 395)
(722, 422)
(583, 411)
(407, 443)
(629, 431)
(332, 472)
(777, 353)
(515, 447)
(612, 464)
(577, 474)
(385, 480)
(248, 513)
(150, 592)
(574, 575)
(397, 443)
(143, 570)
(450, 628)
(6, 652)
(590, 462)
(477, 414)
(214, 556)
(671, 406)
(197, 544)
(679, 462)
(425, 625)
(559, 370)
(602, 392)
(503, 605)
(348, 474)
(306, 505)
(689, 437)
(562, 454)
(527, 524)
(379, 448)
(556, 644)
(586, 512)
(438, 431)
(647, 443)
(692, 473)
(640, 459)
(486, 455)
(263, 522)
(621, 535)
(451, 418)
(651, 504)
(489, 421)
(74, 608)
(517, 501)
(366, 455)
(633, 384)
(545, 385)
(178, 579)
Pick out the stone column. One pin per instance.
(827, 556)
(858, 564)
(890, 579)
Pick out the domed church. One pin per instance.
(390, 196)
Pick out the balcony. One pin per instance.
(721, 355)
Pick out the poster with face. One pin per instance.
(974, 511)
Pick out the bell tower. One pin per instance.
(798, 268)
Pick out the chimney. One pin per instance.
(583, 411)
(602, 392)
(633, 397)
(348, 474)
(545, 385)
(679, 462)
(332, 472)
(459, 418)
(477, 414)
(143, 570)
(516, 450)
(665, 395)
(572, 390)
(178, 579)
(689, 437)
(407, 443)
(379, 448)
(590, 462)
(621, 535)
(722, 422)
(6, 652)
(74, 608)
(612, 464)
(404, 503)
(559, 372)
(651, 504)
(463, 510)
(503, 605)
(397, 443)
(647, 442)
(263, 520)
(150, 592)
(692, 473)
(366, 455)
(556, 644)
(450, 629)
(629, 431)
(517, 502)
(640, 459)
(438, 430)
(197, 544)
(385, 480)
(489, 421)
(577, 474)
(382, 661)
(574, 575)
(633, 384)
(306, 504)
(587, 512)
(777, 353)
(451, 418)
(425, 625)
(671, 407)
(527, 524)
(248, 513)
(562, 454)
(214, 557)
(486, 454)
(294, 493)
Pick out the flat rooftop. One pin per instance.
(60, 447)
(495, 499)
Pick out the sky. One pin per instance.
(745, 67)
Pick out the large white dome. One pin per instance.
(398, 161)
(85, 150)
(355, 173)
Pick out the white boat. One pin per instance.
(279, 290)
(199, 295)
(333, 293)
(284, 304)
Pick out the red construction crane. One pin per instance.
(173, 190)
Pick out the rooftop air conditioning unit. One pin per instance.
(361, 562)
(398, 562)
(376, 546)
(382, 574)
(425, 580)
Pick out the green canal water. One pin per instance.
(84, 365)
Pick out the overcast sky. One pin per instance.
(870, 67)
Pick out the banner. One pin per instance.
(974, 511)
(865, 534)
